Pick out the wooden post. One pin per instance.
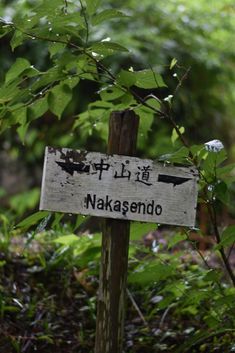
(123, 129)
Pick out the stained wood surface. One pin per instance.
(111, 301)
(118, 187)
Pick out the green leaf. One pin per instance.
(198, 151)
(148, 273)
(126, 78)
(201, 337)
(146, 120)
(61, 22)
(92, 6)
(52, 75)
(107, 48)
(25, 201)
(107, 15)
(17, 68)
(221, 192)
(32, 220)
(153, 103)
(177, 288)
(101, 104)
(179, 156)
(227, 237)
(20, 115)
(223, 171)
(126, 101)
(9, 92)
(46, 338)
(58, 99)
(212, 160)
(111, 93)
(92, 253)
(17, 39)
(139, 230)
(4, 29)
(72, 81)
(67, 240)
(22, 130)
(148, 79)
(38, 108)
(55, 48)
(175, 136)
(212, 276)
(173, 63)
(25, 23)
(48, 8)
(177, 238)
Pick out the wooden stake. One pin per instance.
(123, 130)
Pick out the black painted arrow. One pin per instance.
(169, 179)
(70, 167)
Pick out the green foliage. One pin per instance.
(28, 93)
(33, 219)
(25, 201)
(148, 79)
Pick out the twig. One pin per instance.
(230, 250)
(197, 250)
(136, 307)
(65, 8)
(183, 78)
(213, 217)
(86, 21)
(165, 314)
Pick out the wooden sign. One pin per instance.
(118, 187)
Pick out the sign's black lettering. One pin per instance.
(170, 179)
(124, 173)
(158, 210)
(108, 203)
(150, 208)
(101, 167)
(124, 207)
(117, 206)
(100, 204)
(90, 201)
(143, 175)
(133, 207)
(141, 207)
(71, 167)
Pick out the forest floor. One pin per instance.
(48, 304)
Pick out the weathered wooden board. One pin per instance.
(119, 187)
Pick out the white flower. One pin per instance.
(214, 146)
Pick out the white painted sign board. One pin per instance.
(121, 187)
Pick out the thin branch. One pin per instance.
(172, 305)
(65, 8)
(182, 79)
(197, 250)
(45, 39)
(213, 217)
(208, 266)
(86, 21)
(136, 307)
(230, 251)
